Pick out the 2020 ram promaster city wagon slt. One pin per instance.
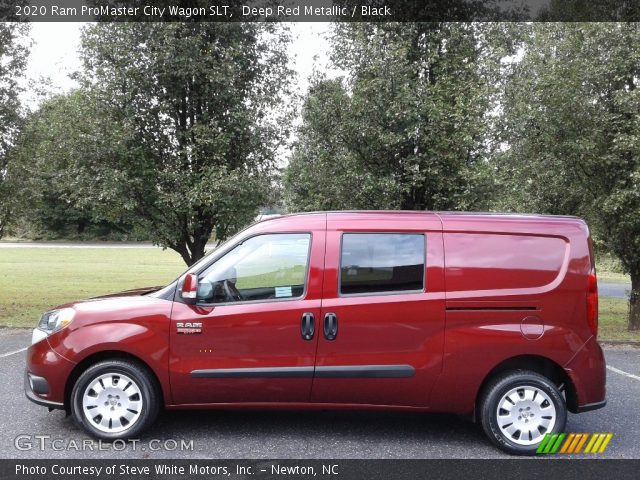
(489, 315)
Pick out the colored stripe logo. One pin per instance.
(574, 443)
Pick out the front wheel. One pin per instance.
(115, 399)
(519, 408)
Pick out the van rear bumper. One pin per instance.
(591, 406)
(588, 373)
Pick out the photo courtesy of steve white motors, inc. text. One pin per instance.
(169, 469)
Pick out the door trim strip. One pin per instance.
(340, 371)
(487, 309)
(268, 372)
(366, 371)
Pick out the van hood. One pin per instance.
(127, 293)
(136, 292)
(131, 306)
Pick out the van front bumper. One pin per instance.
(46, 375)
(33, 384)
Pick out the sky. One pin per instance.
(54, 54)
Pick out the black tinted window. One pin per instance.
(381, 262)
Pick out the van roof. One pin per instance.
(442, 214)
(479, 222)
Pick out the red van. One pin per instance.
(492, 316)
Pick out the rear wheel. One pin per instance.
(519, 408)
(115, 399)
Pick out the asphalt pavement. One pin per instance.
(30, 431)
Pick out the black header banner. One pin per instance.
(319, 10)
(208, 469)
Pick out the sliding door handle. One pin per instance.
(308, 326)
(330, 326)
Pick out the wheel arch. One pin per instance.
(100, 356)
(539, 364)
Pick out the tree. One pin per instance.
(572, 126)
(14, 51)
(409, 126)
(323, 173)
(191, 122)
(42, 174)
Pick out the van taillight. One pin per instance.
(592, 303)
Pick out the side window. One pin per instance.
(381, 262)
(265, 267)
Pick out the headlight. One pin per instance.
(52, 322)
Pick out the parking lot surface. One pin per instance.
(30, 431)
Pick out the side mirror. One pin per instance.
(189, 291)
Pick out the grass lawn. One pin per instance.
(613, 277)
(612, 318)
(35, 279)
(610, 269)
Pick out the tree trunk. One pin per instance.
(182, 249)
(197, 251)
(190, 253)
(634, 302)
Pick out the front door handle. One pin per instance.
(308, 326)
(330, 326)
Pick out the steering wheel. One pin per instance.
(231, 291)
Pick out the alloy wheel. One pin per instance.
(112, 402)
(525, 414)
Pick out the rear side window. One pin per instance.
(381, 263)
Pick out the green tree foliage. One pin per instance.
(572, 126)
(408, 128)
(188, 127)
(42, 172)
(14, 52)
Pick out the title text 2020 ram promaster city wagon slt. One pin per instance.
(493, 316)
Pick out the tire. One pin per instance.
(115, 399)
(518, 408)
